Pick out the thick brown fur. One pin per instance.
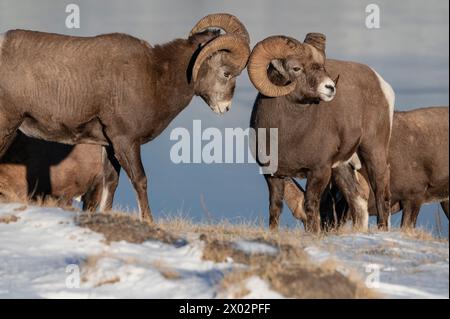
(315, 136)
(111, 89)
(419, 164)
(33, 168)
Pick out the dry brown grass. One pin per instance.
(108, 281)
(20, 208)
(117, 227)
(226, 231)
(413, 233)
(40, 201)
(222, 251)
(89, 266)
(288, 272)
(52, 202)
(9, 218)
(90, 269)
(421, 234)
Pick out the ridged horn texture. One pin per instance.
(227, 22)
(236, 40)
(275, 47)
(317, 40)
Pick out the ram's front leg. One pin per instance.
(317, 181)
(276, 191)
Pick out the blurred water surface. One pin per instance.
(410, 50)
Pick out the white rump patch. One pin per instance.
(389, 94)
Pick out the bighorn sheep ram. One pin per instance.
(320, 127)
(419, 161)
(114, 89)
(33, 168)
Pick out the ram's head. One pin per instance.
(298, 68)
(220, 60)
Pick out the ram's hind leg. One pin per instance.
(411, 210)
(356, 193)
(375, 159)
(92, 198)
(110, 178)
(8, 127)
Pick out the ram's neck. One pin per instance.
(172, 63)
(171, 89)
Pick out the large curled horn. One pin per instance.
(237, 46)
(227, 22)
(236, 40)
(275, 47)
(317, 40)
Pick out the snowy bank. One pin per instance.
(44, 253)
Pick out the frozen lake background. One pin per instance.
(410, 50)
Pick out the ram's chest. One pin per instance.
(298, 144)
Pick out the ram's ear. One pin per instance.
(277, 64)
(317, 40)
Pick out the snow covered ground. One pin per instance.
(44, 254)
(39, 252)
(393, 264)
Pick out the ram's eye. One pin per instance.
(227, 74)
(296, 68)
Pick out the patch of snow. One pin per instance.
(46, 255)
(254, 247)
(402, 291)
(260, 289)
(317, 254)
(253, 287)
(393, 264)
(44, 252)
